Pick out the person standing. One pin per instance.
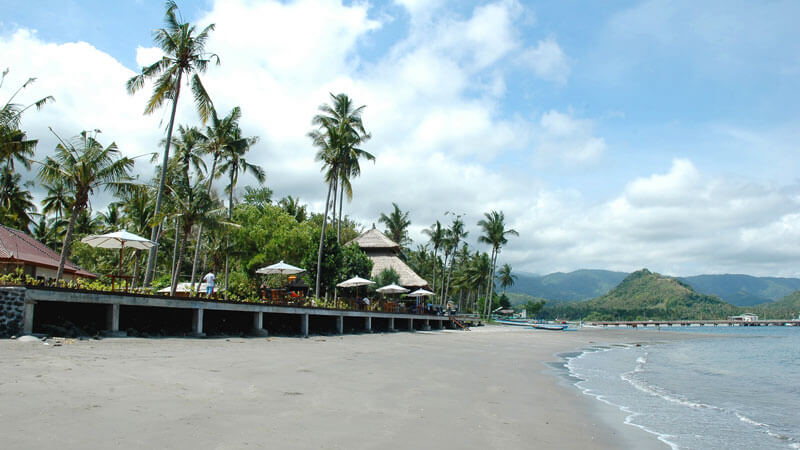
(209, 279)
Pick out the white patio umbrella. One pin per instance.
(354, 282)
(420, 293)
(280, 268)
(119, 239)
(392, 289)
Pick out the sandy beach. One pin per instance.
(486, 388)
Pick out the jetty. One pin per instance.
(700, 323)
(26, 310)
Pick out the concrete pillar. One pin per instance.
(368, 323)
(197, 322)
(427, 326)
(304, 325)
(441, 324)
(410, 324)
(258, 324)
(340, 324)
(113, 321)
(391, 324)
(27, 318)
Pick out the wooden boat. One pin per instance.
(549, 326)
(523, 323)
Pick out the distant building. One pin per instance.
(384, 255)
(746, 317)
(20, 250)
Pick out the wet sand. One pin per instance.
(485, 389)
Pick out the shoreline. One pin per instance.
(487, 388)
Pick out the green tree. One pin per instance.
(84, 166)
(331, 261)
(340, 132)
(184, 54)
(397, 223)
(505, 277)
(293, 207)
(14, 144)
(456, 234)
(494, 234)
(355, 263)
(16, 203)
(436, 234)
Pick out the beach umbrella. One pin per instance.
(355, 282)
(119, 239)
(420, 293)
(280, 268)
(392, 289)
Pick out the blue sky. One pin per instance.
(616, 134)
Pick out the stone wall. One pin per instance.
(12, 311)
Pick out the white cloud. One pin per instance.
(562, 138)
(547, 60)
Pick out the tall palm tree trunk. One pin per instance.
(172, 275)
(67, 242)
(490, 287)
(339, 220)
(181, 251)
(434, 270)
(227, 235)
(322, 238)
(200, 227)
(135, 279)
(151, 260)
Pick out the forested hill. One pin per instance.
(785, 308)
(744, 290)
(572, 286)
(740, 290)
(646, 295)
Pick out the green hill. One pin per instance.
(573, 286)
(786, 308)
(744, 290)
(645, 295)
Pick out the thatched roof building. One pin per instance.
(383, 253)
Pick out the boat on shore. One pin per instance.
(549, 326)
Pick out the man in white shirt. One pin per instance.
(209, 280)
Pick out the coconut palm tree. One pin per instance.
(436, 235)
(138, 206)
(84, 166)
(221, 136)
(456, 235)
(57, 200)
(397, 223)
(14, 144)
(16, 203)
(345, 120)
(340, 132)
(184, 55)
(505, 277)
(494, 234)
(291, 205)
(234, 163)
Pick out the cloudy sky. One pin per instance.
(614, 135)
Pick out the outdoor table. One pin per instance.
(114, 278)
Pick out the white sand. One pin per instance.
(487, 388)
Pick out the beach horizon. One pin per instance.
(492, 387)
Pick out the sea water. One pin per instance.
(738, 388)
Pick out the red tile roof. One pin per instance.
(19, 247)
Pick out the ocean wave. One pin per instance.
(767, 428)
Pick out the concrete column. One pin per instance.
(113, 321)
(410, 324)
(304, 325)
(340, 324)
(197, 322)
(391, 324)
(441, 324)
(368, 323)
(27, 318)
(258, 324)
(427, 326)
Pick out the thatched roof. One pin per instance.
(374, 239)
(408, 278)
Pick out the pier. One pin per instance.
(700, 323)
(114, 313)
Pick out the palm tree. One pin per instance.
(397, 223)
(505, 277)
(137, 206)
(436, 235)
(456, 234)
(57, 200)
(14, 144)
(221, 136)
(16, 203)
(346, 121)
(494, 234)
(340, 132)
(84, 166)
(233, 163)
(291, 205)
(184, 54)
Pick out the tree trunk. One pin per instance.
(322, 239)
(151, 260)
(227, 234)
(200, 227)
(172, 275)
(67, 242)
(184, 238)
(490, 287)
(339, 220)
(434, 269)
(135, 277)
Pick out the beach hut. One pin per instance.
(384, 254)
(19, 250)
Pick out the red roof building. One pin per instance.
(18, 249)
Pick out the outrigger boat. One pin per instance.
(549, 326)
